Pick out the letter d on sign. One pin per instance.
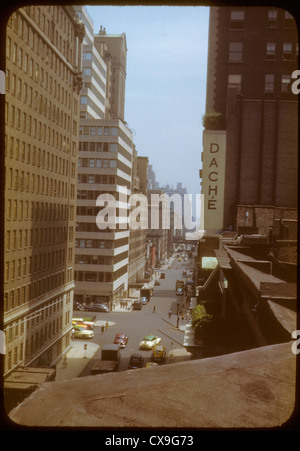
(214, 148)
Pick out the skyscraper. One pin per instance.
(250, 157)
(105, 168)
(43, 80)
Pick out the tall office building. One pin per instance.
(250, 156)
(106, 167)
(137, 237)
(43, 80)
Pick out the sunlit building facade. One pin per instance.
(43, 81)
(103, 262)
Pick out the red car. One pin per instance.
(121, 339)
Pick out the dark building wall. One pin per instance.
(261, 124)
(261, 154)
(254, 35)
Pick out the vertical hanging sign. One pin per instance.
(213, 178)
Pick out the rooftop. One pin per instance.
(249, 389)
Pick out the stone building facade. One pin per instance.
(43, 80)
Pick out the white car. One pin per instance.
(80, 332)
(144, 300)
(149, 341)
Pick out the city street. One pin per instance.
(138, 323)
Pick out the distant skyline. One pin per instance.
(165, 84)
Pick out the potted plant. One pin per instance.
(213, 121)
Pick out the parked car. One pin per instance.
(77, 306)
(121, 339)
(159, 354)
(149, 341)
(151, 364)
(136, 361)
(82, 322)
(143, 300)
(97, 308)
(81, 332)
(137, 305)
(179, 291)
(157, 283)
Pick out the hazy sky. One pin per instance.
(165, 84)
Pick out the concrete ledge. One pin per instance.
(249, 389)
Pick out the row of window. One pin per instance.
(88, 146)
(235, 80)
(95, 244)
(94, 130)
(24, 181)
(89, 276)
(35, 237)
(42, 285)
(27, 153)
(100, 259)
(23, 267)
(37, 72)
(18, 87)
(96, 163)
(94, 260)
(237, 18)
(89, 195)
(28, 124)
(97, 178)
(38, 211)
(288, 53)
(13, 299)
(39, 46)
(35, 338)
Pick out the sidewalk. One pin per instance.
(77, 360)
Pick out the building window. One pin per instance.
(235, 80)
(287, 51)
(271, 50)
(235, 51)
(87, 56)
(87, 71)
(269, 82)
(83, 100)
(237, 20)
(288, 19)
(285, 82)
(272, 17)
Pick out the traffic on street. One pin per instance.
(160, 321)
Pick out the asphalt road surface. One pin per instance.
(138, 323)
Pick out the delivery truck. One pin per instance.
(146, 292)
(110, 360)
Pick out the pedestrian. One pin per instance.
(154, 310)
(170, 313)
(106, 325)
(182, 316)
(65, 361)
(102, 328)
